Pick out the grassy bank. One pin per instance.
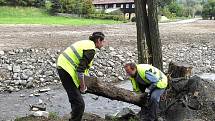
(29, 15)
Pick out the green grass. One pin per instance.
(28, 15)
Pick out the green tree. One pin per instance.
(88, 7)
(176, 8)
(209, 10)
(56, 6)
(163, 3)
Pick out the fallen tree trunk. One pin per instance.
(112, 92)
(184, 99)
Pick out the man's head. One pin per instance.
(130, 69)
(98, 39)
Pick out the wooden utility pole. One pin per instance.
(148, 39)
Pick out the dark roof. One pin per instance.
(111, 1)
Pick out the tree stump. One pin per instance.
(177, 70)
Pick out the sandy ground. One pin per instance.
(41, 36)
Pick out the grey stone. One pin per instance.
(9, 68)
(2, 52)
(30, 79)
(19, 61)
(7, 82)
(31, 95)
(1, 89)
(22, 82)
(33, 60)
(30, 84)
(21, 50)
(40, 61)
(11, 89)
(41, 114)
(55, 81)
(113, 53)
(54, 65)
(7, 61)
(42, 79)
(23, 66)
(129, 54)
(48, 73)
(111, 63)
(111, 49)
(16, 76)
(37, 94)
(125, 113)
(94, 97)
(16, 69)
(16, 82)
(11, 53)
(44, 90)
(24, 76)
(100, 74)
(120, 78)
(30, 67)
(22, 95)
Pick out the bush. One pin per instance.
(209, 10)
(176, 8)
(133, 19)
(165, 11)
(26, 3)
(72, 6)
(2, 2)
(106, 16)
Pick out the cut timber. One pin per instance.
(178, 70)
(112, 92)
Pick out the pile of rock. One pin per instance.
(26, 68)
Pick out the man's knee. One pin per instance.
(155, 98)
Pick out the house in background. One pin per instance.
(126, 6)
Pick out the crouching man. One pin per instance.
(149, 79)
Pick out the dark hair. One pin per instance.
(96, 35)
(131, 65)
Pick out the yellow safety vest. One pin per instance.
(141, 69)
(70, 58)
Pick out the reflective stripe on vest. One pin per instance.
(69, 59)
(76, 53)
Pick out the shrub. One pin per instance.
(72, 6)
(2, 2)
(209, 10)
(176, 8)
(133, 19)
(165, 11)
(106, 16)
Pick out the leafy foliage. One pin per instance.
(209, 10)
(72, 6)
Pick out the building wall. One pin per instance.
(128, 9)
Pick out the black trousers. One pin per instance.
(74, 95)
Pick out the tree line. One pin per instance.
(55, 6)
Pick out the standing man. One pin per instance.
(72, 64)
(146, 78)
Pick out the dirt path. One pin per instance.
(41, 36)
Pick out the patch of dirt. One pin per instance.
(86, 117)
(41, 36)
